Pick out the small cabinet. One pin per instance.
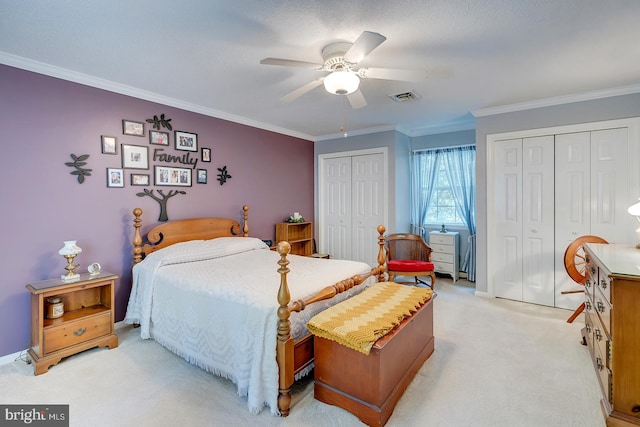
(87, 318)
(445, 252)
(298, 234)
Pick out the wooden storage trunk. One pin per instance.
(369, 386)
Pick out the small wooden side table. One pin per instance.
(87, 321)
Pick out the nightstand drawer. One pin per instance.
(76, 332)
(441, 257)
(444, 238)
(442, 249)
(443, 267)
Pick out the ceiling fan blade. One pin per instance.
(302, 90)
(357, 100)
(291, 63)
(392, 74)
(363, 46)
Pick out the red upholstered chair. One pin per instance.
(408, 255)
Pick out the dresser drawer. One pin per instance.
(602, 307)
(443, 267)
(442, 249)
(438, 257)
(441, 238)
(604, 374)
(604, 284)
(76, 332)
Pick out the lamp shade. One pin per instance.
(70, 248)
(341, 82)
(634, 209)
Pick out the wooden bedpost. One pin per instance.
(245, 223)
(284, 347)
(137, 237)
(382, 258)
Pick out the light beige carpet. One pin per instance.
(496, 363)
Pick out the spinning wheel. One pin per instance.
(575, 263)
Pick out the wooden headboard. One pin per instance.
(183, 230)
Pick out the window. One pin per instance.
(442, 209)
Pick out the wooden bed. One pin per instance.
(292, 355)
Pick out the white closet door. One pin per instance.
(507, 277)
(336, 213)
(573, 207)
(367, 174)
(352, 206)
(611, 185)
(537, 220)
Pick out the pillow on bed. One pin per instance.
(199, 250)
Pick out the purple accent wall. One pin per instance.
(43, 120)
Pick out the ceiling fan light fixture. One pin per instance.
(341, 82)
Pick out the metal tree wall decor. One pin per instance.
(78, 162)
(161, 121)
(223, 175)
(162, 200)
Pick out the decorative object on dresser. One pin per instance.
(69, 251)
(409, 255)
(296, 217)
(298, 234)
(612, 293)
(77, 316)
(446, 252)
(635, 211)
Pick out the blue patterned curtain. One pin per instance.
(461, 171)
(424, 167)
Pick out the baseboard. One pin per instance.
(482, 294)
(10, 358)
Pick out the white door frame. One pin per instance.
(632, 124)
(321, 185)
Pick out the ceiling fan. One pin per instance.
(341, 61)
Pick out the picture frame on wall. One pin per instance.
(171, 176)
(109, 144)
(135, 157)
(202, 176)
(206, 154)
(158, 138)
(141, 179)
(186, 141)
(130, 127)
(115, 178)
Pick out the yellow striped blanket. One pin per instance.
(360, 321)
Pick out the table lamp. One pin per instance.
(69, 251)
(635, 211)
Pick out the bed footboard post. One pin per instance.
(245, 222)
(137, 237)
(382, 258)
(284, 348)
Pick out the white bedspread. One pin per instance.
(214, 303)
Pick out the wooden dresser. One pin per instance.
(612, 317)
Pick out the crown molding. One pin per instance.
(453, 126)
(558, 100)
(87, 80)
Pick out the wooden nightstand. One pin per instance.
(87, 322)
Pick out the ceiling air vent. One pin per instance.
(405, 96)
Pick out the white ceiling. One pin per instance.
(204, 55)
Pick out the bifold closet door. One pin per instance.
(524, 220)
(353, 206)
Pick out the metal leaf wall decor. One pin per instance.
(78, 163)
(160, 122)
(223, 175)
